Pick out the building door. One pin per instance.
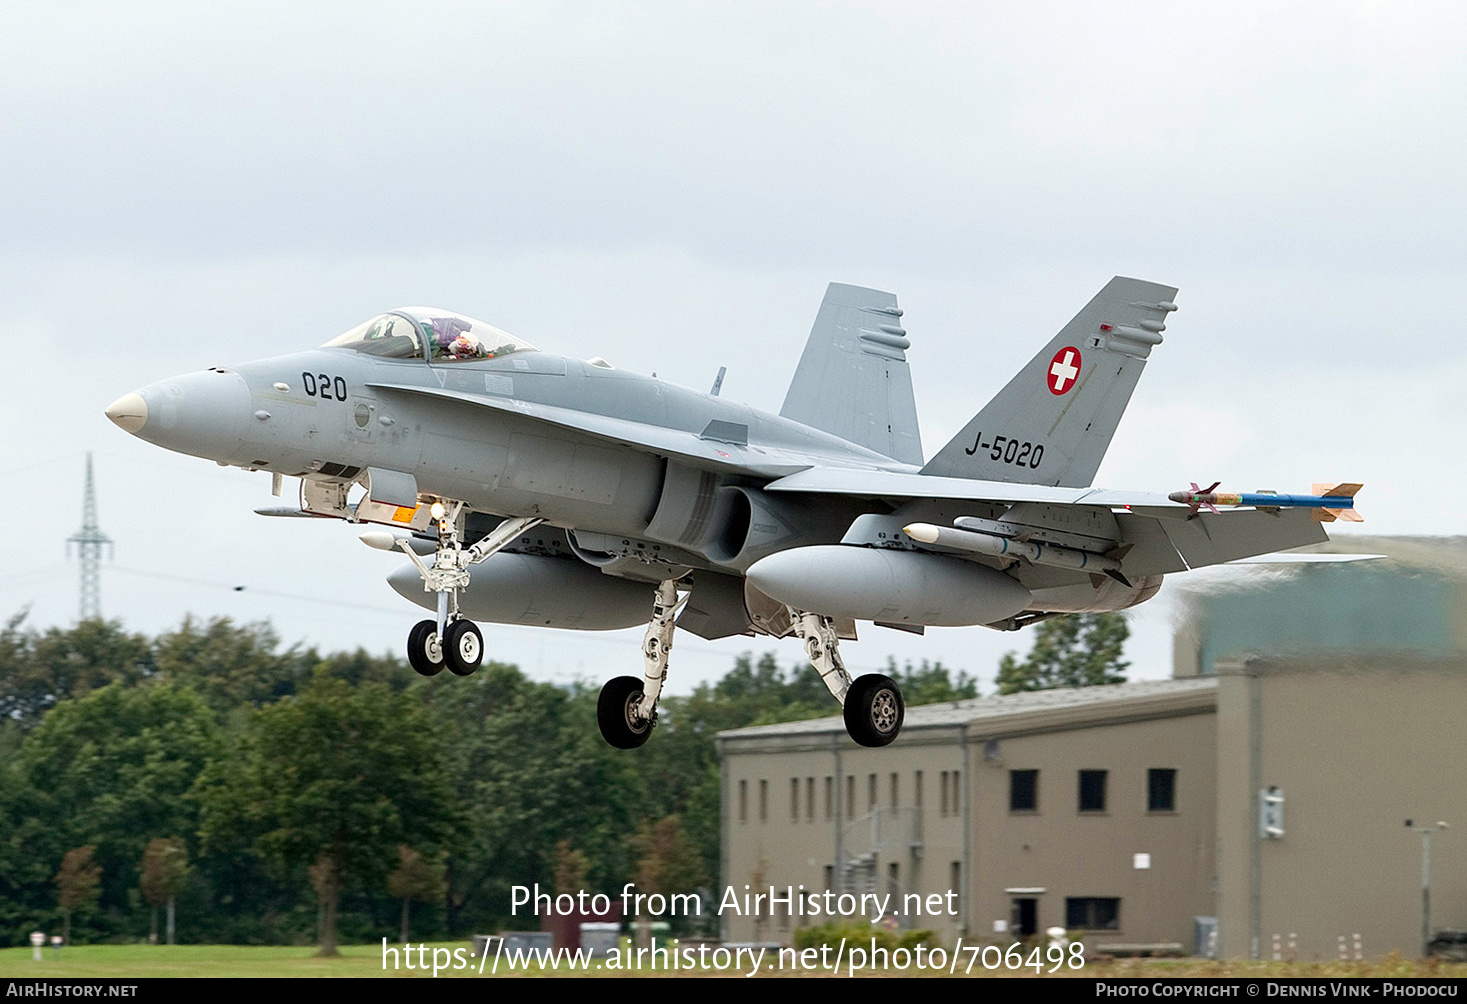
(1025, 917)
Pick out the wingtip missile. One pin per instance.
(1329, 502)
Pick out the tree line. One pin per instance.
(265, 795)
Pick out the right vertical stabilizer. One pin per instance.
(1052, 424)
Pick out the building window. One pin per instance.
(1092, 791)
(743, 801)
(895, 793)
(830, 878)
(1161, 790)
(794, 800)
(917, 789)
(942, 805)
(955, 883)
(1092, 914)
(809, 800)
(1023, 791)
(871, 793)
(957, 798)
(850, 796)
(829, 795)
(763, 800)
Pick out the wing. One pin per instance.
(1158, 535)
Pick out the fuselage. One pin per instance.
(645, 480)
(335, 412)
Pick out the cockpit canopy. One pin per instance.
(448, 337)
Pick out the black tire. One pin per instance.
(616, 716)
(874, 710)
(425, 655)
(463, 647)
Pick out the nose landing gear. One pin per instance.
(451, 640)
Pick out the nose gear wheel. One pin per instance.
(425, 654)
(463, 647)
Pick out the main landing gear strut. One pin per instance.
(872, 705)
(451, 640)
(627, 709)
(626, 712)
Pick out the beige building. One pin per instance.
(1088, 809)
(1356, 750)
(1125, 813)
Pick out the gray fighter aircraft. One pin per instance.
(529, 488)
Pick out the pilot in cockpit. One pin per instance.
(466, 346)
(454, 340)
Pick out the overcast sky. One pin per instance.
(671, 187)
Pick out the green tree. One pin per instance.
(931, 683)
(112, 770)
(328, 783)
(667, 862)
(532, 771)
(572, 868)
(76, 884)
(416, 878)
(1078, 650)
(230, 665)
(39, 670)
(165, 866)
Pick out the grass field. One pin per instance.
(122, 961)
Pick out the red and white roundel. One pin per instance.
(1064, 370)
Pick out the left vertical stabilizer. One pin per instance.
(853, 380)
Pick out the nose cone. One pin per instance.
(203, 414)
(129, 412)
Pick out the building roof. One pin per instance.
(1019, 714)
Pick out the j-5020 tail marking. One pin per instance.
(1052, 423)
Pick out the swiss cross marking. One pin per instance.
(1063, 369)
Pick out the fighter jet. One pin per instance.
(525, 487)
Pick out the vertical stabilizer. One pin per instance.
(1054, 421)
(853, 379)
